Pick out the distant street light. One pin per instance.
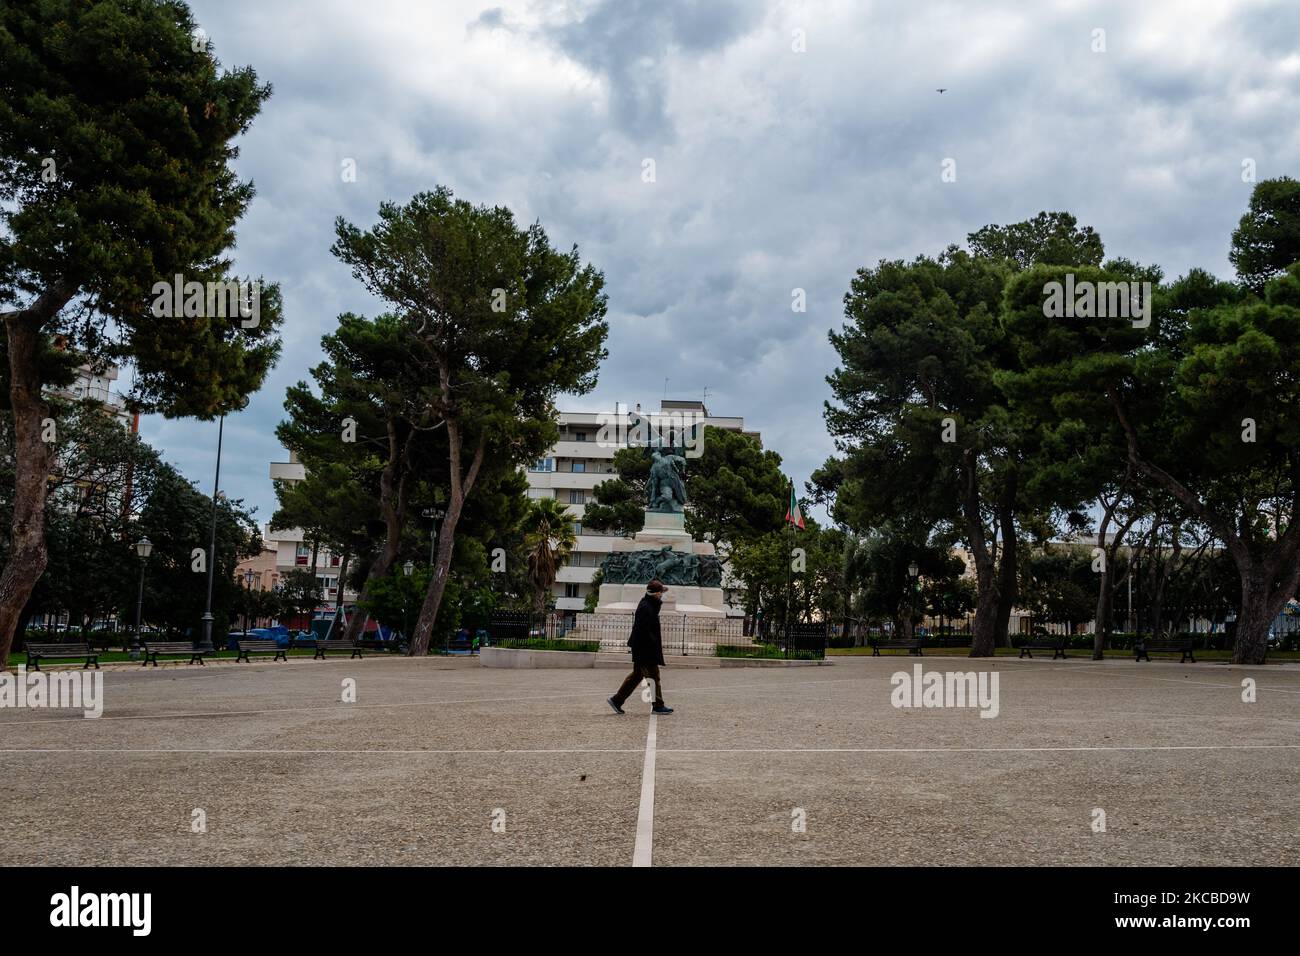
(913, 571)
(143, 547)
(436, 514)
(212, 540)
(248, 587)
(407, 570)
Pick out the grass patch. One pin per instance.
(540, 644)
(1073, 652)
(766, 652)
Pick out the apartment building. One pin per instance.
(96, 384)
(583, 458)
(291, 550)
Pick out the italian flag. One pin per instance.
(793, 514)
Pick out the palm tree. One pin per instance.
(548, 542)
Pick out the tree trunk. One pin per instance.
(986, 612)
(1261, 603)
(460, 489)
(1101, 632)
(986, 597)
(394, 493)
(1101, 619)
(33, 458)
(338, 599)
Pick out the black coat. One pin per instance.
(646, 641)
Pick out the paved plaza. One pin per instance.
(441, 761)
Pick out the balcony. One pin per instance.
(288, 471)
(581, 449)
(569, 575)
(563, 480)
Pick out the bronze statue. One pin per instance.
(665, 487)
(614, 568)
(710, 571)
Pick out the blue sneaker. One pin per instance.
(661, 710)
(617, 709)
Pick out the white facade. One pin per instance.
(97, 385)
(293, 551)
(582, 459)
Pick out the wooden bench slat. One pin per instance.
(1043, 643)
(1141, 650)
(61, 651)
(913, 647)
(260, 647)
(324, 647)
(152, 649)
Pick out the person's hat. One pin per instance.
(656, 587)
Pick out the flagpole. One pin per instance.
(789, 572)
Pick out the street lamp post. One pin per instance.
(407, 569)
(912, 572)
(436, 514)
(248, 587)
(212, 542)
(143, 548)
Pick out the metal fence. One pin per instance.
(1209, 627)
(681, 635)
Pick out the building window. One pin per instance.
(543, 464)
(536, 493)
(579, 466)
(302, 556)
(580, 436)
(571, 591)
(577, 527)
(577, 496)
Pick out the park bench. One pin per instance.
(948, 640)
(1142, 649)
(260, 647)
(153, 649)
(1043, 642)
(324, 647)
(390, 647)
(912, 646)
(38, 652)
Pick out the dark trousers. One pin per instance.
(639, 673)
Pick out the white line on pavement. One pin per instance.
(647, 783)
(645, 818)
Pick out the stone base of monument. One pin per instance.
(679, 600)
(664, 530)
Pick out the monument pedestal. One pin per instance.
(664, 530)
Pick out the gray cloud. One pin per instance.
(775, 169)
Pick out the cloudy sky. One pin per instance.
(792, 143)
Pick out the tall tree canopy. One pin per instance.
(1201, 404)
(926, 439)
(498, 324)
(116, 129)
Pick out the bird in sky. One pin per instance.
(943, 89)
